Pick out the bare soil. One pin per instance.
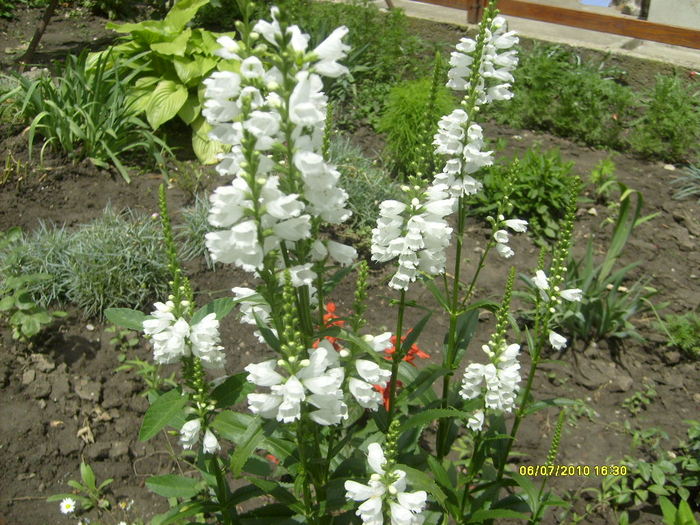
(62, 401)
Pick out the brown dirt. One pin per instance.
(62, 401)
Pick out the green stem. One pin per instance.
(449, 356)
(397, 357)
(469, 477)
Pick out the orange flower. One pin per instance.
(412, 353)
(385, 390)
(329, 320)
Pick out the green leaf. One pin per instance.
(191, 109)
(205, 148)
(172, 486)
(421, 481)
(250, 440)
(232, 391)
(182, 12)
(166, 408)
(176, 47)
(126, 318)
(167, 99)
(221, 307)
(191, 71)
(6, 303)
(277, 491)
(87, 475)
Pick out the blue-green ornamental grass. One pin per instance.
(116, 260)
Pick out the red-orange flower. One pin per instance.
(331, 319)
(412, 353)
(385, 390)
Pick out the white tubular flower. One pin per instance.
(379, 343)
(318, 383)
(557, 341)
(169, 336)
(496, 64)
(210, 444)
(329, 52)
(572, 294)
(418, 240)
(540, 280)
(341, 253)
(205, 340)
(189, 433)
(365, 394)
(476, 421)
(307, 104)
(517, 225)
(386, 487)
(504, 250)
(497, 380)
(229, 48)
(501, 236)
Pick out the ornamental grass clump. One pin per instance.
(339, 407)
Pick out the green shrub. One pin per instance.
(86, 113)
(114, 261)
(539, 190)
(670, 127)
(410, 120)
(556, 91)
(684, 333)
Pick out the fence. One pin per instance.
(625, 26)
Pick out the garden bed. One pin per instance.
(61, 399)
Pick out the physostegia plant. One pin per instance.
(334, 429)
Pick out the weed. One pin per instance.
(669, 129)
(86, 113)
(539, 182)
(88, 493)
(684, 333)
(640, 400)
(603, 179)
(189, 177)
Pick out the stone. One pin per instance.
(60, 386)
(97, 451)
(672, 357)
(68, 441)
(88, 390)
(40, 387)
(119, 449)
(28, 377)
(42, 363)
(622, 383)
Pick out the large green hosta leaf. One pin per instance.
(205, 148)
(167, 99)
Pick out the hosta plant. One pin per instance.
(171, 60)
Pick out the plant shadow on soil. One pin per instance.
(61, 399)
